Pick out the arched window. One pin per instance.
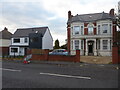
(90, 30)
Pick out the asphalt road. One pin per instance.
(19, 75)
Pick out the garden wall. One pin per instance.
(38, 54)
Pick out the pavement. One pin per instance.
(83, 59)
(63, 63)
(96, 59)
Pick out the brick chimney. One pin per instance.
(69, 14)
(111, 12)
(68, 32)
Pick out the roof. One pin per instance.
(5, 34)
(91, 17)
(24, 32)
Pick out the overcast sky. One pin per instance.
(52, 13)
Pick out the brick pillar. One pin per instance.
(77, 57)
(114, 33)
(115, 55)
(119, 54)
(95, 31)
(46, 51)
(86, 31)
(29, 51)
(68, 39)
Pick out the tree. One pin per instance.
(118, 21)
(56, 44)
(118, 32)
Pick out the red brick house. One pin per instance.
(91, 33)
(5, 41)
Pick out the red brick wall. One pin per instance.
(115, 55)
(86, 31)
(95, 31)
(38, 57)
(119, 55)
(115, 48)
(47, 57)
(85, 24)
(5, 50)
(94, 23)
(61, 58)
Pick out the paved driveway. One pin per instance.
(96, 59)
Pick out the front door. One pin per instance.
(90, 48)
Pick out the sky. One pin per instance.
(16, 14)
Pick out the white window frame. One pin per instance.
(110, 26)
(76, 44)
(82, 44)
(78, 32)
(14, 40)
(104, 28)
(90, 30)
(99, 29)
(82, 29)
(25, 40)
(105, 44)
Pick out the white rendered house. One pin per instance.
(91, 33)
(37, 38)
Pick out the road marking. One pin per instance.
(60, 75)
(10, 70)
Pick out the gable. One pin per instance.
(5, 34)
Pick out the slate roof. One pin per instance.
(24, 32)
(91, 17)
(5, 34)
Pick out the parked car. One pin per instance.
(59, 52)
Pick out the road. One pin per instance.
(19, 75)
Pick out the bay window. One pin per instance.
(105, 44)
(76, 44)
(76, 30)
(105, 28)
